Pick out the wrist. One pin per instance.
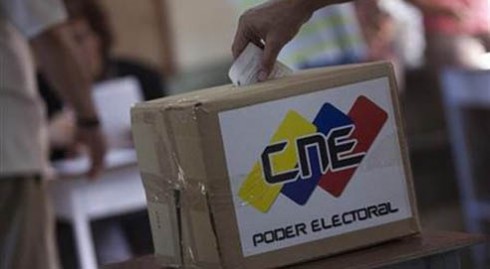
(304, 8)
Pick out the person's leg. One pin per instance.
(27, 226)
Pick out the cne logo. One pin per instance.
(302, 155)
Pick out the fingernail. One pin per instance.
(262, 75)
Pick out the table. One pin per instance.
(434, 250)
(78, 200)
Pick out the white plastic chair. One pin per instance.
(463, 89)
(119, 189)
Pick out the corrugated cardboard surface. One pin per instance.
(160, 191)
(195, 167)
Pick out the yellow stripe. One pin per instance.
(255, 190)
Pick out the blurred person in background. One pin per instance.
(116, 239)
(377, 28)
(26, 226)
(92, 33)
(379, 32)
(459, 38)
(457, 32)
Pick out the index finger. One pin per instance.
(271, 50)
(239, 43)
(245, 34)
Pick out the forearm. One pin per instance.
(56, 54)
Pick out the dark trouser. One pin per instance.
(26, 225)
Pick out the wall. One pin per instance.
(201, 32)
(136, 29)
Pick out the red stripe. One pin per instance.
(368, 119)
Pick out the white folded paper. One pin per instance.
(246, 68)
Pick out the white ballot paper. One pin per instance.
(245, 69)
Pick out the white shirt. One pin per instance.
(23, 143)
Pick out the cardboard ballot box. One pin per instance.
(276, 173)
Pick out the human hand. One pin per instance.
(62, 129)
(93, 139)
(270, 26)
